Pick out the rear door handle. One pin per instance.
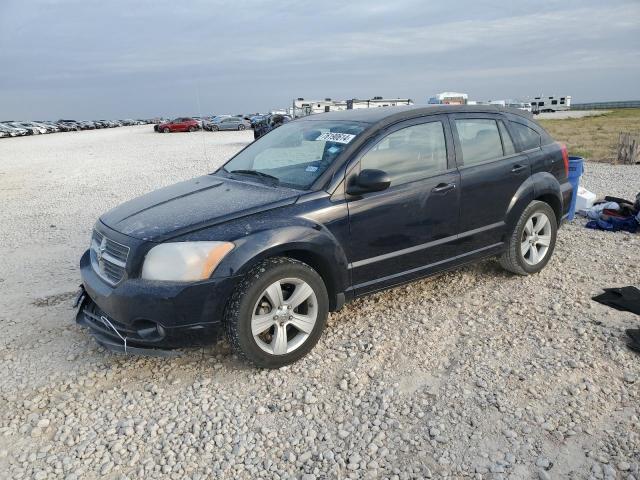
(518, 168)
(443, 187)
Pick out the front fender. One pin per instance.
(312, 244)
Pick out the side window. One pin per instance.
(479, 139)
(507, 143)
(410, 153)
(527, 137)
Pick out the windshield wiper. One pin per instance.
(256, 174)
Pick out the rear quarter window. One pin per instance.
(527, 138)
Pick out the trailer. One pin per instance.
(449, 98)
(544, 104)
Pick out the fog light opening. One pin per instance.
(150, 330)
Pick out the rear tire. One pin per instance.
(532, 241)
(258, 312)
(241, 127)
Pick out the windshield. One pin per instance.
(297, 153)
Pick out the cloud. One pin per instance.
(257, 54)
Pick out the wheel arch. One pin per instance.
(320, 265)
(554, 202)
(314, 247)
(540, 186)
(319, 262)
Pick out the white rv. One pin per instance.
(543, 104)
(449, 98)
(302, 107)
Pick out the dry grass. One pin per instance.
(595, 138)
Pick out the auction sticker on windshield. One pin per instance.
(336, 137)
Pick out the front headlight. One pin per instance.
(184, 261)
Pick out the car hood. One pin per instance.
(192, 205)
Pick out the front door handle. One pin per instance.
(443, 187)
(518, 168)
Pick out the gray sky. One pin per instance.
(121, 58)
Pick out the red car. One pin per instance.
(178, 125)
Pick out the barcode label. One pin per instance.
(336, 137)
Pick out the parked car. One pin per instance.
(63, 127)
(29, 126)
(160, 121)
(71, 124)
(51, 128)
(268, 123)
(182, 124)
(41, 128)
(14, 131)
(207, 123)
(230, 123)
(256, 118)
(316, 213)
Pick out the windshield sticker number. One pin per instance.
(336, 137)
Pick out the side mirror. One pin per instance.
(369, 180)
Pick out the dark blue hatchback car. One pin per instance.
(316, 213)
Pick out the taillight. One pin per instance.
(565, 158)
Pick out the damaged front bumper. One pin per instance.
(151, 318)
(113, 335)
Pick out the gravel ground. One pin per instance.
(472, 374)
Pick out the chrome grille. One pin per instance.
(108, 258)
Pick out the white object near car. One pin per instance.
(584, 199)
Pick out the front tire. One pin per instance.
(241, 127)
(277, 313)
(166, 130)
(192, 129)
(532, 241)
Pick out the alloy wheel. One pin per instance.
(536, 238)
(284, 316)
